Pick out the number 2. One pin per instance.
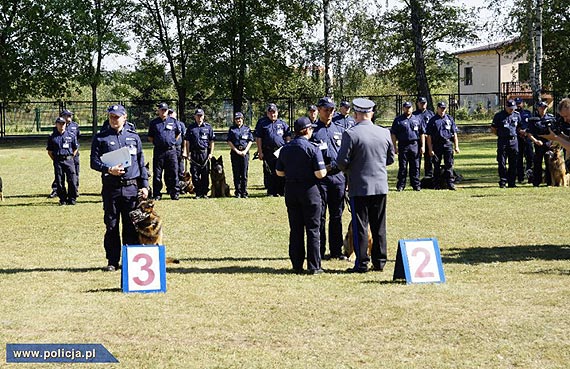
(146, 268)
(420, 271)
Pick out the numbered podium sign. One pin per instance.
(419, 261)
(144, 268)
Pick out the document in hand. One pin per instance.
(121, 156)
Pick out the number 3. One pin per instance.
(420, 271)
(146, 268)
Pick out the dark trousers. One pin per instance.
(539, 157)
(200, 170)
(65, 169)
(275, 184)
(525, 157)
(304, 212)
(443, 173)
(428, 165)
(117, 203)
(369, 210)
(507, 151)
(332, 189)
(409, 154)
(167, 161)
(180, 171)
(240, 166)
(76, 163)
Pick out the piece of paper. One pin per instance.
(116, 157)
(277, 152)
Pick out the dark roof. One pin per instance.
(494, 46)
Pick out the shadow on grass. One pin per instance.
(480, 255)
(230, 258)
(40, 270)
(235, 269)
(116, 289)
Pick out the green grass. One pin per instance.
(232, 302)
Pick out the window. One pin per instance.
(468, 76)
(524, 72)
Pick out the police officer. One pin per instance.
(564, 112)
(120, 185)
(536, 127)
(200, 146)
(62, 147)
(129, 125)
(424, 114)
(505, 125)
(365, 151)
(312, 113)
(343, 116)
(271, 133)
(526, 152)
(240, 139)
(406, 133)
(179, 144)
(328, 136)
(163, 133)
(301, 163)
(442, 141)
(73, 127)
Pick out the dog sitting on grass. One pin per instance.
(348, 243)
(219, 186)
(149, 225)
(557, 166)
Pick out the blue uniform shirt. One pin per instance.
(424, 116)
(182, 128)
(525, 114)
(345, 121)
(272, 134)
(299, 159)
(505, 124)
(62, 144)
(537, 128)
(164, 132)
(441, 129)
(111, 140)
(328, 139)
(406, 129)
(240, 136)
(199, 136)
(73, 127)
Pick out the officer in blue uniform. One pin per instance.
(179, 144)
(240, 139)
(328, 136)
(505, 124)
(343, 116)
(312, 113)
(163, 133)
(62, 147)
(73, 127)
(301, 163)
(526, 153)
(129, 125)
(424, 114)
(121, 185)
(539, 125)
(200, 145)
(406, 133)
(442, 142)
(271, 133)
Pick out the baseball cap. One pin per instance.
(362, 105)
(326, 102)
(518, 100)
(199, 112)
(66, 112)
(441, 104)
(162, 106)
(238, 115)
(118, 110)
(303, 123)
(59, 120)
(271, 107)
(421, 99)
(511, 103)
(541, 104)
(345, 104)
(407, 104)
(312, 107)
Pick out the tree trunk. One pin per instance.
(94, 107)
(419, 59)
(529, 5)
(327, 30)
(536, 90)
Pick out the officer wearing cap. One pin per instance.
(505, 124)
(406, 133)
(343, 117)
(121, 185)
(200, 146)
(179, 145)
(62, 146)
(301, 163)
(271, 133)
(328, 136)
(240, 139)
(312, 113)
(564, 113)
(424, 114)
(365, 152)
(73, 127)
(537, 126)
(526, 153)
(163, 133)
(129, 125)
(442, 142)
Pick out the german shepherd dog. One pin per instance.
(219, 186)
(186, 185)
(348, 243)
(1, 190)
(557, 166)
(149, 225)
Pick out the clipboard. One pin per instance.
(116, 157)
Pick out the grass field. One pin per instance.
(233, 303)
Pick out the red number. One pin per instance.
(420, 271)
(146, 268)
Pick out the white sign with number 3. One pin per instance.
(145, 269)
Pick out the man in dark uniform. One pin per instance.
(343, 116)
(328, 136)
(301, 164)
(406, 133)
(163, 132)
(271, 133)
(200, 145)
(505, 125)
(240, 139)
(62, 147)
(121, 185)
(526, 152)
(539, 125)
(364, 154)
(424, 114)
(73, 127)
(312, 113)
(442, 142)
(179, 144)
